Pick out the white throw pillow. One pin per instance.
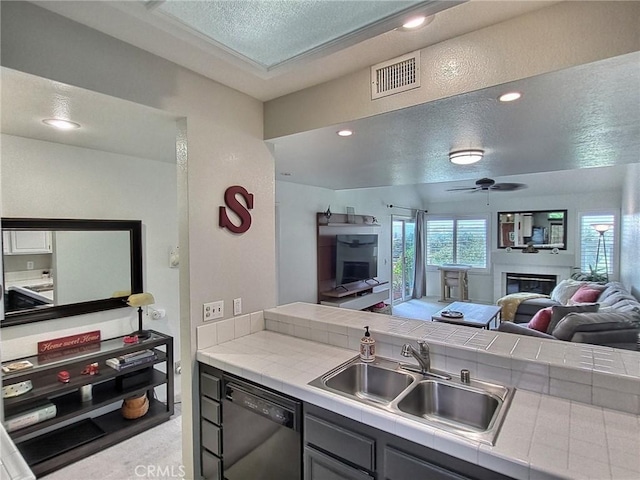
(565, 290)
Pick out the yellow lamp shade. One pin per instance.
(140, 300)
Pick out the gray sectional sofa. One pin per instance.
(612, 320)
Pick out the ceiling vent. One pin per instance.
(395, 76)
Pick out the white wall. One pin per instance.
(296, 237)
(51, 180)
(297, 207)
(630, 233)
(222, 147)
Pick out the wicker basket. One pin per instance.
(135, 407)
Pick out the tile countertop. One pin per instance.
(12, 465)
(542, 437)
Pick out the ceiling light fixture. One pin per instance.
(416, 22)
(466, 157)
(510, 96)
(61, 124)
(345, 132)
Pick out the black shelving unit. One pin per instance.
(74, 433)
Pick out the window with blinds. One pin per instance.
(596, 254)
(457, 240)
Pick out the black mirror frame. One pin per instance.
(134, 227)
(564, 236)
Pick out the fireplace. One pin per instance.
(530, 282)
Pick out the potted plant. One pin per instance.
(592, 276)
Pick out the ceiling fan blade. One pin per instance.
(507, 187)
(461, 189)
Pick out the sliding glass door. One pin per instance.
(403, 249)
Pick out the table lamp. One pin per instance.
(140, 300)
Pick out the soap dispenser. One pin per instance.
(367, 347)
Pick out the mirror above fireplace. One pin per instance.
(540, 228)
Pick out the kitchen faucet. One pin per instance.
(423, 358)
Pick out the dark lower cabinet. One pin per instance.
(339, 448)
(401, 466)
(319, 466)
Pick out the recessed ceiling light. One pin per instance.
(466, 157)
(416, 22)
(61, 124)
(345, 132)
(509, 97)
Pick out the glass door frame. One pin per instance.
(406, 283)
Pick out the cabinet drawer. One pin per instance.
(210, 410)
(210, 386)
(400, 466)
(351, 446)
(210, 436)
(318, 466)
(211, 466)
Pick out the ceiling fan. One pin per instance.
(488, 184)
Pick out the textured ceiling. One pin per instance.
(583, 117)
(270, 33)
(108, 124)
(134, 23)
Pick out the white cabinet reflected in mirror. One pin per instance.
(542, 229)
(54, 268)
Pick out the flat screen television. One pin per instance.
(356, 258)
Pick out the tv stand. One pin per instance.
(356, 296)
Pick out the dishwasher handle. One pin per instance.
(258, 402)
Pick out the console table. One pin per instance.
(359, 297)
(81, 428)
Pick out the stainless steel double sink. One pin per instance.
(473, 410)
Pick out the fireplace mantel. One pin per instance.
(543, 262)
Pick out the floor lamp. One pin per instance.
(602, 228)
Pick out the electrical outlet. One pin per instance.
(213, 310)
(177, 367)
(30, 265)
(237, 306)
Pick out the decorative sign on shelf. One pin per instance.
(238, 208)
(68, 342)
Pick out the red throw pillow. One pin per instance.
(541, 320)
(585, 294)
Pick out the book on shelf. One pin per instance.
(118, 363)
(128, 357)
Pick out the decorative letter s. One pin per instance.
(239, 209)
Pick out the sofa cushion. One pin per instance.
(565, 290)
(585, 294)
(591, 322)
(540, 320)
(615, 298)
(520, 329)
(611, 288)
(558, 312)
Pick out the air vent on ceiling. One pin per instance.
(395, 76)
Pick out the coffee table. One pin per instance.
(475, 314)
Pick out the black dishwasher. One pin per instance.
(261, 433)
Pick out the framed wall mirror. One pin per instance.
(540, 228)
(54, 268)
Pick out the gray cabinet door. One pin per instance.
(401, 466)
(318, 466)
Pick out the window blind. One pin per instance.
(589, 239)
(457, 241)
